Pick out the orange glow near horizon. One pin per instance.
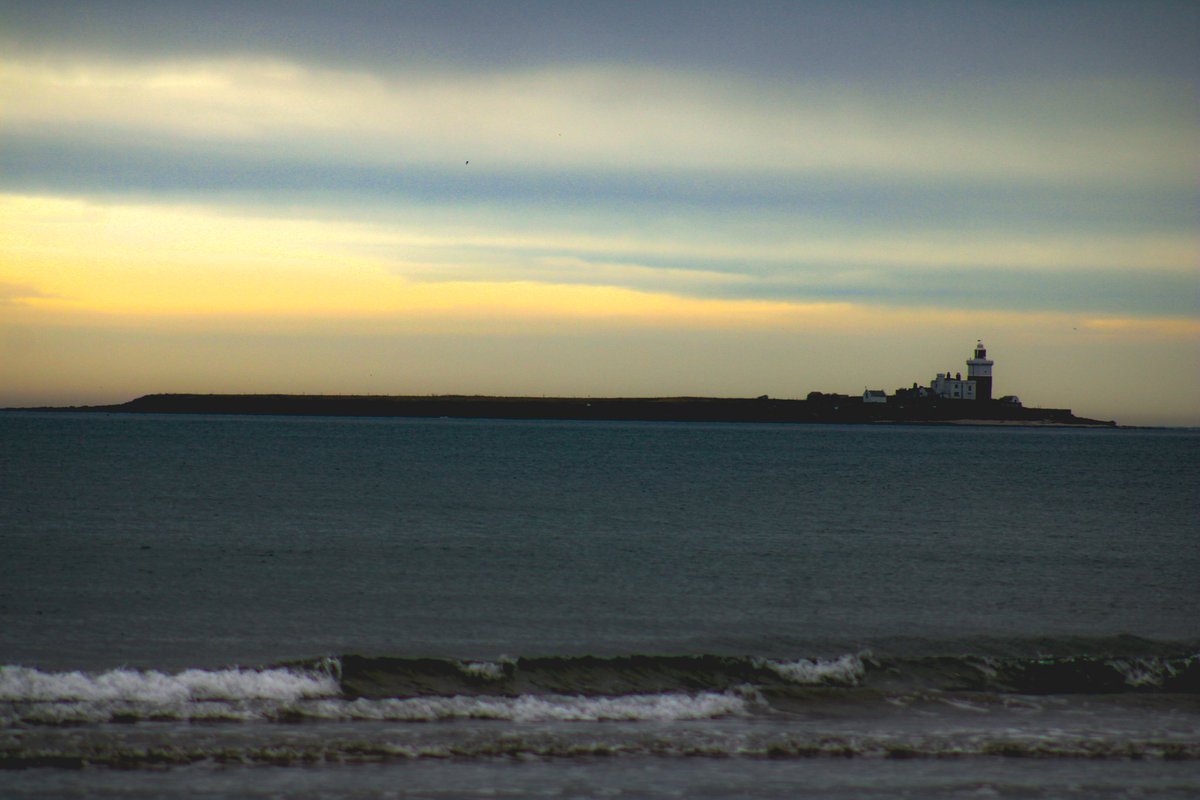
(65, 257)
(141, 298)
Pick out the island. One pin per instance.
(947, 400)
(818, 408)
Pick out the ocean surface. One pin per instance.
(376, 608)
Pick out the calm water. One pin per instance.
(371, 608)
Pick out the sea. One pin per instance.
(262, 607)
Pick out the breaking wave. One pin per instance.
(383, 677)
(695, 706)
(847, 670)
(26, 684)
(552, 688)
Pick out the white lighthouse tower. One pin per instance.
(979, 369)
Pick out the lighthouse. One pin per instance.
(979, 369)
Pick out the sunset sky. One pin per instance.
(647, 198)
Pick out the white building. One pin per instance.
(953, 388)
(874, 396)
(978, 384)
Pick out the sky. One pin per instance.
(601, 199)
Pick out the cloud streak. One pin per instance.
(118, 250)
(621, 118)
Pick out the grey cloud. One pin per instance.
(130, 166)
(15, 293)
(782, 40)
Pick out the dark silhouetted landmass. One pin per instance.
(818, 408)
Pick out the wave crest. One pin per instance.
(847, 670)
(25, 684)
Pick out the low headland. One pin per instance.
(817, 408)
(947, 400)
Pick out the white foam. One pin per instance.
(33, 696)
(489, 670)
(526, 708)
(1143, 672)
(31, 685)
(846, 669)
(530, 708)
(549, 708)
